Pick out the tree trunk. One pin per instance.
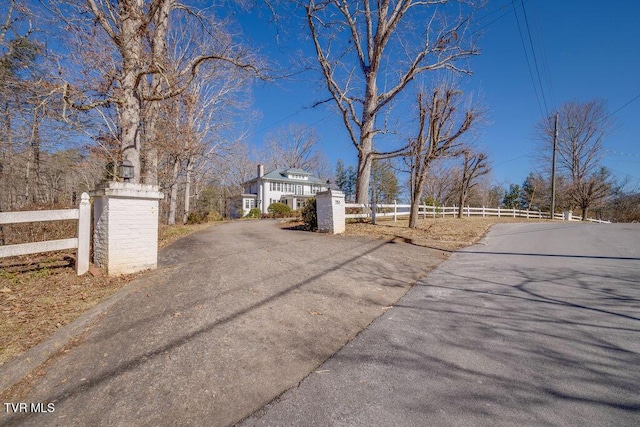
(462, 200)
(173, 197)
(159, 56)
(8, 161)
(365, 147)
(130, 104)
(415, 201)
(187, 192)
(149, 140)
(35, 146)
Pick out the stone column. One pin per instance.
(125, 227)
(330, 211)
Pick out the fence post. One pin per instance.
(84, 234)
(483, 212)
(395, 210)
(498, 211)
(468, 212)
(373, 212)
(514, 212)
(125, 232)
(331, 211)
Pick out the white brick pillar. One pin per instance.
(125, 236)
(330, 210)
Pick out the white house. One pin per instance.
(289, 186)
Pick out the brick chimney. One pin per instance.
(260, 170)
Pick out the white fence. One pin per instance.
(81, 242)
(395, 210)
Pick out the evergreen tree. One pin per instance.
(350, 184)
(513, 198)
(384, 182)
(346, 180)
(341, 175)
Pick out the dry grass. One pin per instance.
(41, 293)
(445, 234)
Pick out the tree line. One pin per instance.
(162, 85)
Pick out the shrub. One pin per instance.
(214, 216)
(254, 213)
(279, 209)
(310, 215)
(196, 217)
(200, 217)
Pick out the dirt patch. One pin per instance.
(446, 234)
(41, 293)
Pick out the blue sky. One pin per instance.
(585, 49)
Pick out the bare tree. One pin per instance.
(582, 128)
(474, 166)
(592, 191)
(293, 147)
(143, 71)
(440, 183)
(443, 120)
(362, 45)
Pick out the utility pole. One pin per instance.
(553, 168)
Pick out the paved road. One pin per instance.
(233, 317)
(538, 325)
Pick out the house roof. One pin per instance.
(282, 175)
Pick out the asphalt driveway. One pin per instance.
(537, 325)
(234, 316)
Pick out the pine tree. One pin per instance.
(513, 198)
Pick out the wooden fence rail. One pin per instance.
(395, 210)
(81, 242)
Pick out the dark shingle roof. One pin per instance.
(281, 175)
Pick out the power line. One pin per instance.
(619, 153)
(624, 106)
(535, 59)
(545, 61)
(526, 55)
(506, 5)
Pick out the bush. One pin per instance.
(196, 217)
(279, 209)
(214, 216)
(200, 217)
(254, 213)
(310, 215)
